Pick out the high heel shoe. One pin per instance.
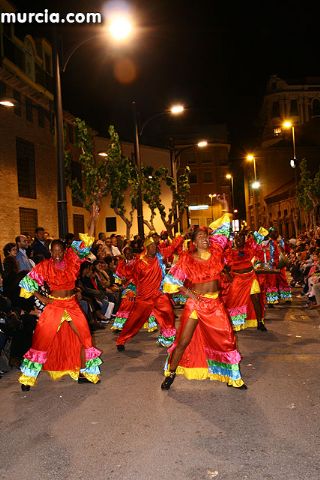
(261, 326)
(168, 381)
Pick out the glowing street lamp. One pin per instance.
(202, 144)
(251, 158)
(8, 102)
(287, 125)
(256, 185)
(176, 109)
(120, 27)
(230, 177)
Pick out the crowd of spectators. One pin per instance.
(303, 264)
(98, 292)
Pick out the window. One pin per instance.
(26, 168)
(316, 108)
(29, 110)
(41, 118)
(294, 107)
(76, 175)
(28, 219)
(78, 224)
(275, 110)
(17, 108)
(193, 178)
(2, 89)
(207, 177)
(47, 61)
(111, 224)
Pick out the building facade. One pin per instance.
(275, 202)
(209, 166)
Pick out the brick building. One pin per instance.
(28, 165)
(275, 202)
(209, 166)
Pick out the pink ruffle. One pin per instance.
(168, 332)
(232, 357)
(92, 352)
(177, 273)
(123, 313)
(221, 240)
(38, 356)
(237, 310)
(37, 277)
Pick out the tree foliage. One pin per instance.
(124, 180)
(94, 180)
(152, 195)
(308, 194)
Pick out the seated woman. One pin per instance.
(62, 342)
(205, 346)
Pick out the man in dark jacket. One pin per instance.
(39, 246)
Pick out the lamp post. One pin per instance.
(119, 29)
(229, 176)
(8, 102)
(287, 125)
(212, 196)
(173, 110)
(255, 185)
(174, 155)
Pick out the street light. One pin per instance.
(230, 177)
(287, 125)
(174, 155)
(115, 27)
(255, 185)
(8, 102)
(212, 196)
(174, 110)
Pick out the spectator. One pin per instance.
(39, 246)
(114, 246)
(24, 263)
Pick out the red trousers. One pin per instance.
(162, 309)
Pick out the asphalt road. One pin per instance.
(126, 428)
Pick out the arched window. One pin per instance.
(316, 108)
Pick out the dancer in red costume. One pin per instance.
(276, 285)
(242, 295)
(62, 342)
(205, 346)
(124, 274)
(148, 273)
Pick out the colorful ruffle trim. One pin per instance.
(285, 294)
(247, 324)
(272, 297)
(82, 247)
(172, 284)
(151, 325)
(204, 374)
(34, 359)
(119, 322)
(179, 299)
(167, 337)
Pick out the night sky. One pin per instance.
(214, 56)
